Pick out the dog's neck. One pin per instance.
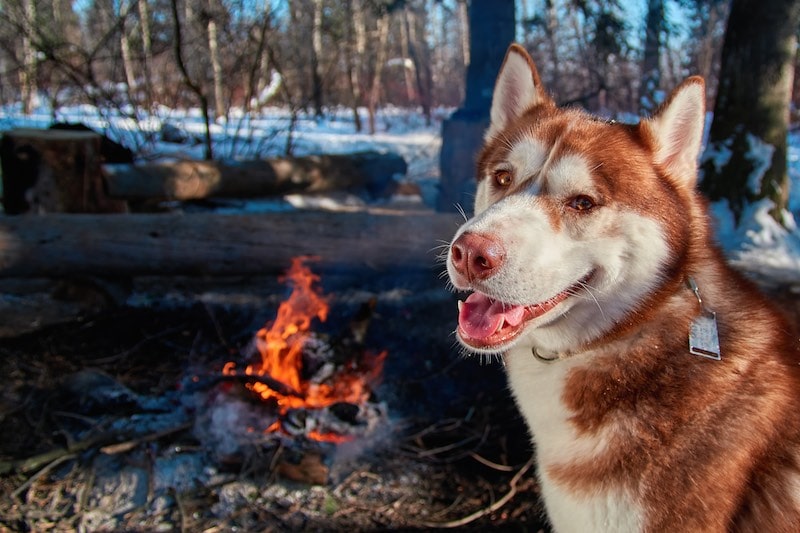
(702, 335)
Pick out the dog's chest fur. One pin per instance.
(536, 387)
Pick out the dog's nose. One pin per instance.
(476, 256)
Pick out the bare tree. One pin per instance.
(357, 49)
(127, 58)
(147, 51)
(316, 55)
(27, 74)
(382, 38)
(187, 79)
(651, 65)
(214, 58)
(414, 22)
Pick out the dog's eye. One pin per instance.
(503, 178)
(581, 203)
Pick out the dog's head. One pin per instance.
(578, 221)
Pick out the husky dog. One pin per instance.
(661, 390)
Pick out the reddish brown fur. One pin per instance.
(708, 444)
(716, 441)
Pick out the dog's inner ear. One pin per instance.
(677, 129)
(517, 89)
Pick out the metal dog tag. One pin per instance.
(703, 337)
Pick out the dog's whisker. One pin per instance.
(461, 211)
(588, 290)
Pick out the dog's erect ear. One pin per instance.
(677, 130)
(517, 89)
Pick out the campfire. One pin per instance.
(126, 421)
(301, 374)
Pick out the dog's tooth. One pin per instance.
(460, 304)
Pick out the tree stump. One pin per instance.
(54, 171)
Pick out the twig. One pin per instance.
(217, 326)
(181, 509)
(54, 463)
(122, 447)
(133, 349)
(512, 491)
(105, 439)
(34, 463)
(491, 464)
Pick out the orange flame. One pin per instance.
(281, 349)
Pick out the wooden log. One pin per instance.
(54, 171)
(370, 172)
(213, 244)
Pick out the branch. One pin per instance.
(512, 491)
(187, 80)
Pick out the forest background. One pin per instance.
(140, 59)
(220, 55)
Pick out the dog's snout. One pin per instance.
(477, 256)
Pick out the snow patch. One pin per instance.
(759, 153)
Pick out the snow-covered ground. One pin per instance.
(758, 244)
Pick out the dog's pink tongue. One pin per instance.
(480, 316)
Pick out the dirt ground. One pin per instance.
(454, 453)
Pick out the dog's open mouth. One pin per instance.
(486, 323)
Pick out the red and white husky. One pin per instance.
(661, 390)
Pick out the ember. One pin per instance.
(279, 375)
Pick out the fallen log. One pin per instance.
(213, 244)
(370, 172)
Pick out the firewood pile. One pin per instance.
(126, 420)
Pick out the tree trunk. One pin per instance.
(211, 244)
(316, 55)
(216, 68)
(651, 67)
(491, 28)
(406, 51)
(27, 75)
(380, 61)
(357, 49)
(147, 51)
(419, 57)
(177, 47)
(745, 159)
(552, 41)
(127, 61)
(463, 20)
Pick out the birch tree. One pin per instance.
(214, 58)
(382, 38)
(27, 74)
(147, 51)
(316, 57)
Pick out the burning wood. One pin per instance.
(283, 376)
